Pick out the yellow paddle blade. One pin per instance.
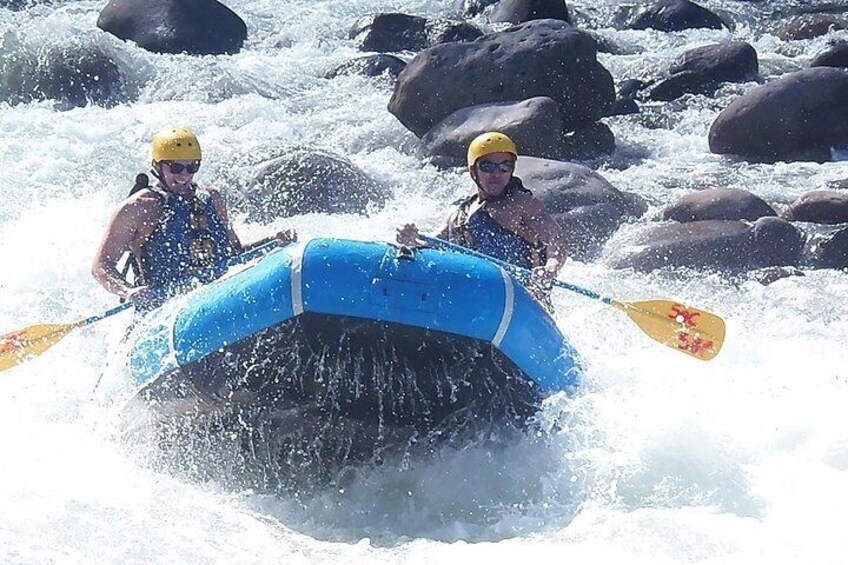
(22, 345)
(692, 331)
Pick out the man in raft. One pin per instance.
(502, 218)
(173, 230)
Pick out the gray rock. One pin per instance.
(820, 207)
(586, 205)
(832, 250)
(16, 5)
(403, 32)
(776, 243)
(677, 85)
(718, 244)
(810, 26)
(800, 115)
(196, 27)
(769, 275)
(702, 70)
(835, 56)
(624, 106)
(676, 15)
(534, 124)
(390, 32)
(630, 88)
(471, 8)
(305, 181)
(564, 186)
(540, 58)
(520, 11)
(723, 245)
(718, 204)
(73, 77)
(370, 66)
(625, 100)
(443, 31)
(587, 142)
(841, 184)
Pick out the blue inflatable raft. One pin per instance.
(357, 333)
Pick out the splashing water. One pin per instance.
(659, 459)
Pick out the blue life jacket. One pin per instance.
(480, 232)
(492, 239)
(190, 241)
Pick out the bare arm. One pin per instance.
(284, 236)
(549, 233)
(128, 227)
(527, 217)
(548, 229)
(221, 209)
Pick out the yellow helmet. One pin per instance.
(175, 144)
(490, 142)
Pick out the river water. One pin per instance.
(659, 459)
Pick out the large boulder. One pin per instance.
(724, 245)
(801, 115)
(585, 204)
(676, 15)
(534, 124)
(72, 77)
(305, 181)
(539, 58)
(520, 11)
(718, 204)
(702, 70)
(196, 27)
(820, 207)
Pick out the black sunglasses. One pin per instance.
(177, 168)
(490, 167)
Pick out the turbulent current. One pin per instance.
(659, 458)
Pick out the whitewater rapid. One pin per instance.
(659, 459)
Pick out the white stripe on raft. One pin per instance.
(172, 342)
(297, 279)
(509, 304)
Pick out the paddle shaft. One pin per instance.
(45, 335)
(526, 273)
(230, 262)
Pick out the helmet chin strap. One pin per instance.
(154, 170)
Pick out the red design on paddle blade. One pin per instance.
(694, 344)
(682, 315)
(10, 342)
